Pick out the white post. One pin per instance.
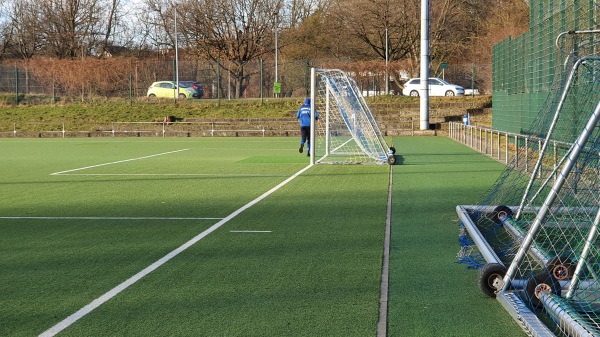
(327, 140)
(424, 106)
(176, 53)
(313, 86)
(387, 75)
(276, 50)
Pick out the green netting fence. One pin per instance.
(524, 67)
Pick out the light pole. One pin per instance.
(424, 96)
(176, 52)
(276, 86)
(387, 76)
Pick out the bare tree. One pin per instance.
(369, 20)
(25, 39)
(233, 32)
(296, 11)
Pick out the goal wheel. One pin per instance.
(490, 278)
(500, 213)
(562, 268)
(540, 284)
(391, 160)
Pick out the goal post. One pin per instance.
(346, 131)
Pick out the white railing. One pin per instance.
(520, 150)
(151, 129)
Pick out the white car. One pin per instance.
(437, 87)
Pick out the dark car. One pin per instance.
(196, 86)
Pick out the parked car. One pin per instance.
(437, 87)
(168, 89)
(196, 86)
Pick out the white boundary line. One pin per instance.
(234, 231)
(99, 218)
(382, 323)
(116, 162)
(60, 326)
(173, 174)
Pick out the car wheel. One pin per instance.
(449, 93)
(182, 96)
(152, 96)
(414, 93)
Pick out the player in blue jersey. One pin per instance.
(304, 118)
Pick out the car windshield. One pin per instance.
(184, 85)
(439, 79)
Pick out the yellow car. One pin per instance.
(168, 89)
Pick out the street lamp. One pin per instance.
(276, 85)
(387, 76)
(176, 53)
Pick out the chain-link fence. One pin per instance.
(93, 79)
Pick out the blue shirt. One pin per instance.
(304, 115)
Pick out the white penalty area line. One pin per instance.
(249, 231)
(116, 162)
(60, 326)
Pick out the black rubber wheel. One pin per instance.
(539, 284)
(449, 93)
(562, 268)
(490, 278)
(393, 150)
(391, 160)
(182, 96)
(414, 93)
(501, 212)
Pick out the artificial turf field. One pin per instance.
(171, 237)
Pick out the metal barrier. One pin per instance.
(521, 150)
(150, 129)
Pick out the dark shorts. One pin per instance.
(305, 133)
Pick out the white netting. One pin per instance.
(347, 131)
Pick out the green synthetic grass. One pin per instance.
(316, 272)
(430, 295)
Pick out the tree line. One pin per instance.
(236, 32)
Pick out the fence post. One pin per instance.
(16, 85)
(262, 79)
(506, 149)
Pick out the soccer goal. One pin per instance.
(346, 131)
(538, 227)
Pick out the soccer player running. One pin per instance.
(304, 118)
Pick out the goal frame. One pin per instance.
(374, 149)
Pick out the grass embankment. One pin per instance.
(38, 109)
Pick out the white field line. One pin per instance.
(172, 174)
(116, 162)
(249, 231)
(99, 218)
(60, 326)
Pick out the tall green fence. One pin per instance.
(524, 68)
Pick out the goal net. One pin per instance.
(541, 219)
(346, 132)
